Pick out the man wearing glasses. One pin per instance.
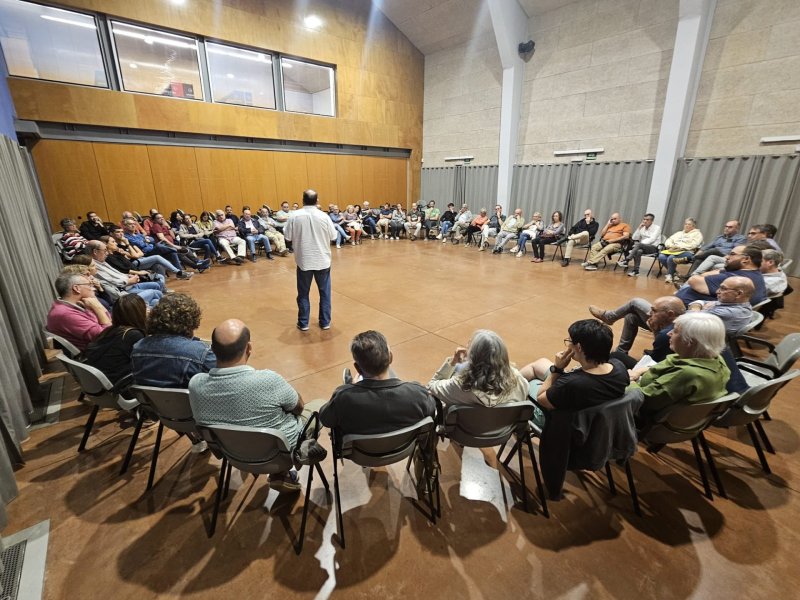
(743, 261)
(720, 245)
(77, 314)
(581, 233)
(765, 232)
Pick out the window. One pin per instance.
(240, 76)
(50, 43)
(307, 88)
(157, 62)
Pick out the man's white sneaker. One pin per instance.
(668, 279)
(633, 273)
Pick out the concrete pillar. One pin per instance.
(510, 25)
(691, 40)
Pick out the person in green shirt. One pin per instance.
(432, 215)
(695, 373)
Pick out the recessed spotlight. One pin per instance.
(313, 22)
(133, 66)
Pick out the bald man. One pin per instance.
(732, 304)
(235, 393)
(638, 312)
(612, 236)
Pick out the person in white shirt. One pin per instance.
(774, 279)
(311, 232)
(646, 239)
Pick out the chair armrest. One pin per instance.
(757, 368)
(754, 340)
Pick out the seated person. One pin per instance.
(744, 261)
(352, 224)
(337, 219)
(369, 219)
(92, 228)
(530, 231)
(165, 237)
(274, 236)
(413, 222)
(645, 241)
(148, 246)
(479, 375)
(169, 356)
(598, 379)
(77, 314)
(509, 230)
(225, 230)
(720, 246)
(613, 236)
(379, 402)
(384, 221)
(234, 393)
(111, 350)
(253, 232)
(206, 223)
(446, 222)
(463, 219)
(774, 279)
(476, 226)
(155, 263)
(197, 238)
(71, 242)
(581, 233)
(432, 216)
(115, 283)
(398, 222)
(119, 261)
(638, 312)
(550, 235)
(694, 373)
(492, 227)
(680, 248)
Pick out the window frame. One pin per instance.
(274, 57)
(315, 63)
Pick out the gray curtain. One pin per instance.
(712, 190)
(608, 187)
(29, 264)
(542, 188)
(438, 184)
(480, 186)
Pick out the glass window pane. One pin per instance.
(240, 76)
(157, 62)
(50, 43)
(307, 88)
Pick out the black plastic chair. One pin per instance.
(382, 449)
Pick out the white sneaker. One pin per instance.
(515, 250)
(668, 279)
(622, 263)
(583, 264)
(519, 254)
(438, 237)
(444, 241)
(633, 273)
(199, 447)
(338, 246)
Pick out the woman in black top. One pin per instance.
(111, 350)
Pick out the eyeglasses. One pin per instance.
(734, 254)
(86, 283)
(587, 214)
(753, 232)
(567, 342)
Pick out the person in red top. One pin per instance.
(476, 225)
(77, 314)
(612, 236)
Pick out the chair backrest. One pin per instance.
(251, 449)
(92, 382)
(785, 353)
(171, 405)
(756, 318)
(486, 426)
(683, 421)
(68, 347)
(786, 263)
(380, 449)
(754, 401)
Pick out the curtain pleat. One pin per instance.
(608, 187)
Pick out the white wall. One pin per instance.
(462, 103)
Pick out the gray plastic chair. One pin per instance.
(260, 451)
(487, 427)
(756, 318)
(382, 449)
(171, 407)
(69, 349)
(686, 422)
(748, 409)
(97, 390)
(781, 358)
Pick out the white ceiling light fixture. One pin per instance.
(87, 25)
(313, 22)
(458, 158)
(584, 151)
(780, 139)
(133, 66)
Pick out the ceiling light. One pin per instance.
(313, 22)
(230, 76)
(286, 65)
(69, 21)
(133, 66)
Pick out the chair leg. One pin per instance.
(299, 546)
(763, 435)
(154, 460)
(321, 474)
(428, 473)
(538, 477)
(88, 428)
(766, 416)
(227, 480)
(522, 476)
(757, 445)
(701, 467)
(339, 517)
(632, 488)
(132, 445)
(611, 487)
(220, 486)
(712, 465)
(514, 448)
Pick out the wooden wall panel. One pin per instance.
(175, 179)
(257, 178)
(69, 180)
(291, 176)
(375, 178)
(126, 178)
(322, 177)
(218, 170)
(398, 180)
(349, 180)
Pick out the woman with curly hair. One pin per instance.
(170, 355)
(480, 374)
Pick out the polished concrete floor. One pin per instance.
(111, 538)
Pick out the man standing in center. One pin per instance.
(311, 232)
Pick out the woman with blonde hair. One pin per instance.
(479, 374)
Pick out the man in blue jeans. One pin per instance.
(311, 232)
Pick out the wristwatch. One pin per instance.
(555, 369)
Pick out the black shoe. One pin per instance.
(269, 256)
(238, 260)
(565, 262)
(253, 258)
(184, 275)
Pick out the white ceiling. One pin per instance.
(434, 25)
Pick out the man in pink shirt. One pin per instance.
(226, 233)
(77, 314)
